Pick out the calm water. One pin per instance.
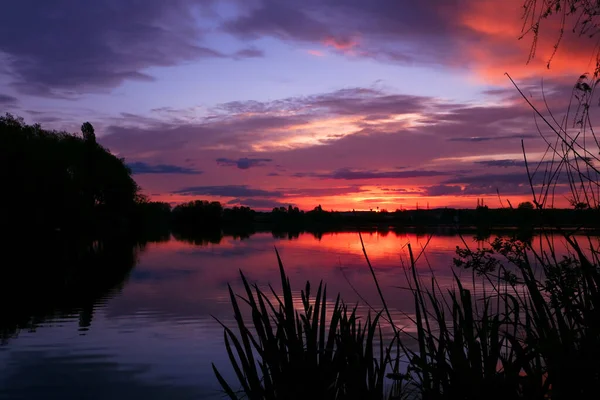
(153, 336)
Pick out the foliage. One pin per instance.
(239, 215)
(526, 205)
(60, 181)
(198, 214)
(557, 315)
(311, 351)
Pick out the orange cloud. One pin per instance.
(498, 50)
(345, 45)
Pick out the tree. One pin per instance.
(526, 205)
(87, 130)
(198, 215)
(579, 205)
(60, 182)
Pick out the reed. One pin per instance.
(311, 351)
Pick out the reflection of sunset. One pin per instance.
(181, 281)
(163, 320)
(378, 245)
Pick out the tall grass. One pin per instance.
(315, 351)
(529, 330)
(519, 336)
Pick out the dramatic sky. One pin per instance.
(351, 104)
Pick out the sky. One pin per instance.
(350, 104)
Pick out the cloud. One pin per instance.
(259, 126)
(490, 138)
(350, 174)
(348, 101)
(138, 168)
(321, 192)
(277, 18)
(353, 135)
(72, 47)
(442, 190)
(7, 100)
(243, 163)
(341, 43)
(228, 191)
(249, 53)
(316, 53)
(510, 183)
(502, 163)
(481, 36)
(387, 29)
(533, 165)
(403, 191)
(261, 204)
(484, 179)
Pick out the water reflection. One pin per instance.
(58, 279)
(106, 329)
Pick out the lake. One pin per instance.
(150, 333)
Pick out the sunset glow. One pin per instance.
(352, 106)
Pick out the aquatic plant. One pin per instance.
(311, 350)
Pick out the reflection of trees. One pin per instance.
(291, 234)
(239, 232)
(482, 236)
(60, 278)
(199, 237)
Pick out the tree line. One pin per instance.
(68, 183)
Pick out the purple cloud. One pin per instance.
(510, 183)
(7, 100)
(320, 192)
(255, 203)
(490, 138)
(139, 168)
(72, 47)
(249, 53)
(442, 190)
(243, 163)
(350, 174)
(385, 30)
(228, 191)
(269, 121)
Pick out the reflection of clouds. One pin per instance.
(178, 279)
(159, 332)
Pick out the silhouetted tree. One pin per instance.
(58, 181)
(88, 133)
(526, 205)
(197, 215)
(579, 205)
